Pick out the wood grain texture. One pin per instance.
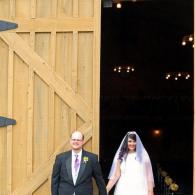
(49, 83)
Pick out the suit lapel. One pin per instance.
(69, 165)
(82, 167)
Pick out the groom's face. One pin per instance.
(76, 141)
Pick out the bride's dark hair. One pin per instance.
(124, 148)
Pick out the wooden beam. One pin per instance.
(44, 71)
(51, 133)
(9, 128)
(30, 114)
(30, 123)
(96, 77)
(48, 25)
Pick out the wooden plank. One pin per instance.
(12, 9)
(30, 123)
(85, 66)
(51, 133)
(5, 9)
(20, 113)
(64, 49)
(73, 121)
(30, 115)
(40, 122)
(48, 25)
(3, 162)
(54, 4)
(42, 45)
(75, 8)
(96, 76)
(86, 8)
(4, 53)
(79, 122)
(32, 40)
(29, 155)
(74, 68)
(33, 8)
(41, 68)
(44, 170)
(62, 121)
(9, 128)
(75, 61)
(44, 188)
(43, 8)
(52, 52)
(22, 9)
(65, 8)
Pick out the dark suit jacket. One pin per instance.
(62, 182)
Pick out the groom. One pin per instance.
(73, 170)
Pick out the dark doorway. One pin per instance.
(147, 35)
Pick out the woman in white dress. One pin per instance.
(131, 169)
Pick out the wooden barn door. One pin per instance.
(49, 83)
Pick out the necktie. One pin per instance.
(76, 163)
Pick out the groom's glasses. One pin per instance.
(78, 140)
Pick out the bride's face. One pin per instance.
(131, 144)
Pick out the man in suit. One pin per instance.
(73, 170)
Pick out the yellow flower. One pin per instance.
(85, 159)
(174, 187)
(168, 180)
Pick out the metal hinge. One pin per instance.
(6, 121)
(4, 25)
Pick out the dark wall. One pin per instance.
(148, 36)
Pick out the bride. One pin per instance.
(131, 168)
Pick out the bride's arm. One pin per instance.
(114, 178)
(151, 192)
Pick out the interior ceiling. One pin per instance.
(147, 34)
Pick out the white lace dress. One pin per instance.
(132, 180)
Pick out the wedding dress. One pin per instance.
(132, 180)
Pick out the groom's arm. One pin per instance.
(55, 179)
(97, 174)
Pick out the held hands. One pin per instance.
(150, 192)
(107, 190)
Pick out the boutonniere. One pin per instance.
(85, 159)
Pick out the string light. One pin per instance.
(177, 76)
(119, 5)
(188, 39)
(124, 69)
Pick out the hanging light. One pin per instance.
(177, 76)
(188, 39)
(118, 5)
(124, 69)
